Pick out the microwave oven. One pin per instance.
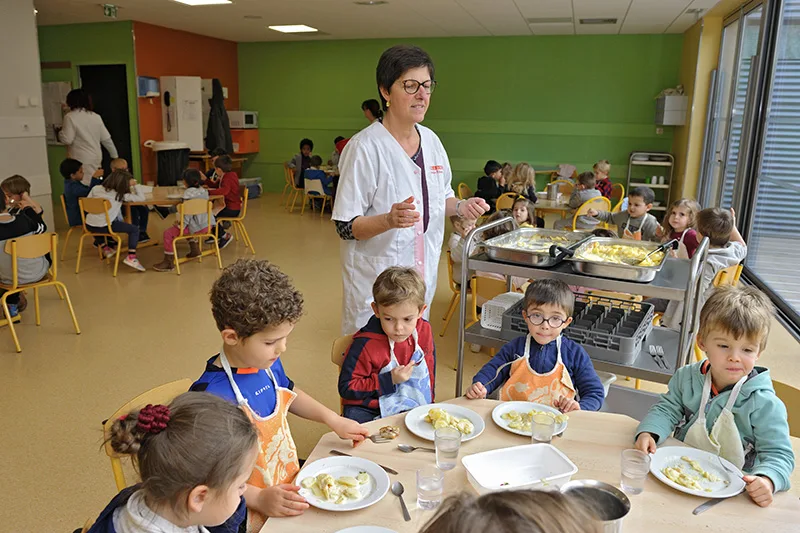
(243, 119)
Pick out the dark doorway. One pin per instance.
(108, 87)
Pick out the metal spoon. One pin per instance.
(397, 490)
(407, 448)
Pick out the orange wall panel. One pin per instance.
(167, 52)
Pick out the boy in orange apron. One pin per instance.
(543, 367)
(255, 307)
(636, 222)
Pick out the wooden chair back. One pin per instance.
(790, 396)
(339, 349)
(163, 394)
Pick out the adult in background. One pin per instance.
(83, 132)
(395, 188)
(372, 110)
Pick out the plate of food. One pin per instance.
(425, 419)
(516, 417)
(695, 472)
(342, 483)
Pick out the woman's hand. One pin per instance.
(403, 214)
(472, 208)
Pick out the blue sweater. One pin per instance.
(105, 522)
(588, 387)
(72, 191)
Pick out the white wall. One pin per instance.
(22, 134)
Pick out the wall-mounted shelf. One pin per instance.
(638, 164)
(651, 163)
(652, 186)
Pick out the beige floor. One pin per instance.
(141, 330)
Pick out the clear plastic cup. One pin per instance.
(448, 442)
(430, 486)
(542, 428)
(634, 468)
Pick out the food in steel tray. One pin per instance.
(535, 242)
(389, 432)
(619, 254)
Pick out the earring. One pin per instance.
(388, 103)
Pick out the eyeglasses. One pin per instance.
(537, 319)
(412, 86)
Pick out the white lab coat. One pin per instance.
(83, 132)
(376, 173)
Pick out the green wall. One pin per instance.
(104, 43)
(542, 99)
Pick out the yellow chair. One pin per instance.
(617, 196)
(196, 206)
(31, 247)
(162, 394)
(565, 187)
(455, 287)
(237, 223)
(295, 192)
(315, 191)
(97, 206)
(506, 201)
(69, 231)
(464, 191)
(288, 179)
(598, 203)
(790, 396)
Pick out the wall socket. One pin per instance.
(659, 131)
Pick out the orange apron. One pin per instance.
(277, 455)
(527, 385)
(628, 234)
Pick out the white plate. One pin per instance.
(415, 420)
(671, 456)
(372, 491)
(524, 407)
(366, 529)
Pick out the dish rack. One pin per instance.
(493, 310)
(608, 328)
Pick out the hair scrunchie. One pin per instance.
(153, 419)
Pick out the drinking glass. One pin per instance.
(542, 428)
(448, 442)
(635, 466)
(430, 486)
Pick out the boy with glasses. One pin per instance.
(543, 367)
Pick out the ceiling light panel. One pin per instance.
(195, 3)
(604, 9)
(293, 28)
(545, 8)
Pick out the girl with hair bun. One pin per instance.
(194, 458)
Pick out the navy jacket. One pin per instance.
(72, 191)
(237, 523)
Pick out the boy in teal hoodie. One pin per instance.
(725, 404)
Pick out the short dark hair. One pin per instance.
(550, 291)
(79, 99)
(306, 142)
(192, 177)
(716, 224)
(588, 180)
(218, 151)
(316, 161)
(252, 295)
(491, 167)
(68, 167)
(645, 193)
(600, 232)
(397, 60)
(224, 162)
(374, 107)
(337, 139)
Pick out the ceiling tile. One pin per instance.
(643, 28)
(500, 17)
(599, 29)
(601, 9)
(553, 29)
(545, 8)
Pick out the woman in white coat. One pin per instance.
(83, 132)
(394, 191)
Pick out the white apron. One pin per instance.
(375, 174)
(724, 439)
(628, 234)
(414, 392)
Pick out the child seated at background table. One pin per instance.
(543, 366)
(604, 185)
(725, 404)
(523, 181)
(390, 366)
(193, 224)
(72, 171)
(187, 483)
(139, 213)
(583, 192)
(679, 223)
(523, 212)
(313, 172)
(336, 154)
(229, 189)
(117, 188)
(212, 177)
(635, 223)
(256, 307)
(492, 185)
(301, 161)
(17, 191)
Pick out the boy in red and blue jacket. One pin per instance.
(390, 366)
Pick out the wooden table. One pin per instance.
(593, 441)
(159, 196)
(552, 206)
(204, 160)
